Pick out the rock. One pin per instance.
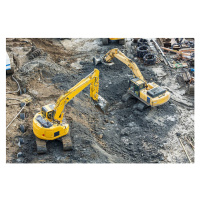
(33, 92)
(169, 159)
(125, 131)
(58, 158)
(117, 130)
(100, 135)
(112, 122)
(125, 140)
(106, 120)
(178, 134)
(171, 118)
(20, 142)
(131, 124)
(82, 63)
(19, 160)
(131, 143)
(19, 155)
(162, 146)
(161, 158)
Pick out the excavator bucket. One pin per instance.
(97, 61)
(102, 104)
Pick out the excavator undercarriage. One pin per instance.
(66, 141)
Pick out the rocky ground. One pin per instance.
(129, 136)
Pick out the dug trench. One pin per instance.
(129, 136)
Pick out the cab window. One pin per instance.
(49, 115)
(141, 86)
(136, 88)
(131, 84)
(44, 113)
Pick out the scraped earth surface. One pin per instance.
(129, 136)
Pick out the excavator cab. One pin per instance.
(135, 85)
(47, 111)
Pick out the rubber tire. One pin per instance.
(105, 41)
(22, 104)
(24, 90)
(151, 61)
(191, 44)
(22, 128)
(10, 71)
(142, 42)
(142, 53)
(22, 116)
(176, 46)
(122, 41)
(21, 141)
(20, 92)
(20, 155)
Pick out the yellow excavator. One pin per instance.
(47, 124)
(105, 41)
(150, 94)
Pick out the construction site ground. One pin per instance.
(129, 135)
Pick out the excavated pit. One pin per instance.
(121, 135)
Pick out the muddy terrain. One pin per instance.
(129, 135)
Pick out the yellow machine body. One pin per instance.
(116, 38)
(51, 133)
(106, 41)
(47, 124)
(149, 93)
(144, 93)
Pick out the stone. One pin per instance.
(19, 155)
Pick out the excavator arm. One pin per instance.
(120, 56)
(92, 79)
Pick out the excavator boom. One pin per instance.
(120, 56)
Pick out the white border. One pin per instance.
(98, 19)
